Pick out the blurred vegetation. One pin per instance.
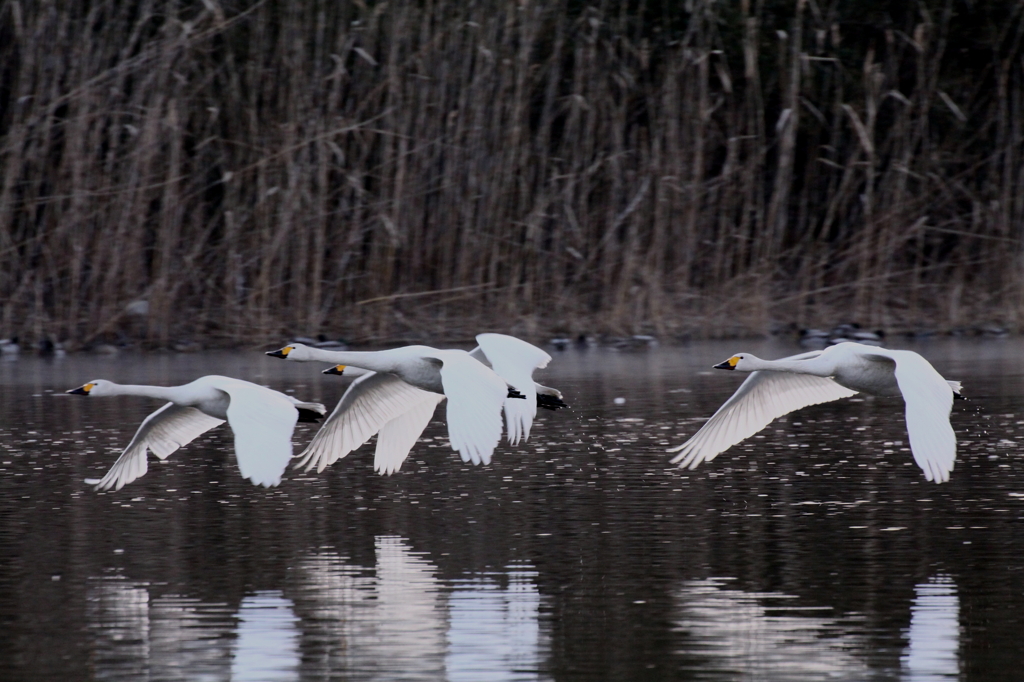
(428, 169)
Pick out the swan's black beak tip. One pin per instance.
(279, 353)
(81, 390)
(725, 365)
(337, 369)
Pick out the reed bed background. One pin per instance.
(236, 171)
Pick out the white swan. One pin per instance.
(515, 360)
(262, 420)
(397, 398)
(777, 387)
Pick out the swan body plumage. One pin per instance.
(778, 387)
(262, 421)
(396, 398)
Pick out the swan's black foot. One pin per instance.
(957, 396)
(309, 416)
(513, 393)
(550, 402)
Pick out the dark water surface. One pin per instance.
(816, 551)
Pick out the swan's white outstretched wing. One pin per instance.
(371, 403)
(475, 397)
(762, 398)
(929, 400)
(514, 360)
(397, 437)
(163, 432)
(263, 421)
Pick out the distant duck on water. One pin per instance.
(818, 338)
(10, 347)
(322, 342)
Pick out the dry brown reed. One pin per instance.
(432, 168)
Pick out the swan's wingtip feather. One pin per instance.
(303, 460)
(101, 485)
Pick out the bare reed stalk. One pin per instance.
(426, 170)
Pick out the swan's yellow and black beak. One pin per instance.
(281, 353)
(337, 369)
(728, 364)
(81, 390)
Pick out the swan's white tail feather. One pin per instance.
(319, 408)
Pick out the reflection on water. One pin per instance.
(769, 636)
(385, 621)
(266, 649)
(933, 652)
(765, 636)
(494, 632)
(579, 556)
(390, 621)
(137, 637)
(399, 621)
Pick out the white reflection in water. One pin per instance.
(392, 621)
(388, 626)
(400, 624)
(934, 633)
(756, 636)
(267, 648)
(494, 633)
(166, 638)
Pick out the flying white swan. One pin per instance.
(777, 387)
(397, 397)
(262, 420)
(515, 360)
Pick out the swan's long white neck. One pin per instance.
(375, 361)
(159, 392)
(814, 366)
